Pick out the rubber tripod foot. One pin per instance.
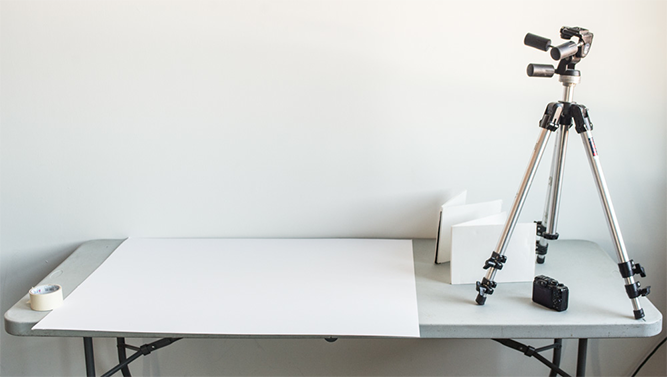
(480, 300)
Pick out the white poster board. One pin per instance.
(336, 287)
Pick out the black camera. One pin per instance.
(550, 293)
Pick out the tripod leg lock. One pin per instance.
(496, 261)
(485, 287)
(541, 249)
(541, 231)
(540, 252)
(550, 236)
(634, 291)
(631, 268)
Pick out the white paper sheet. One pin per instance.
(455, 211)
(474, 241)
(356, 287)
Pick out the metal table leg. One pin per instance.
(558, 344)
(122, 356)
(581, 357)
(89, 356)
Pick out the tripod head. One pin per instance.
(568, 53)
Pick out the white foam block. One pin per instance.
(474, 241)
(454, 212)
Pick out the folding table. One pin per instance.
(444, 310)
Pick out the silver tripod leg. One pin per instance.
(632, 287)
(487, 284)
(550, 218)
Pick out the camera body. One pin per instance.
(550, 293)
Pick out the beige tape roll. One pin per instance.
(46, 297)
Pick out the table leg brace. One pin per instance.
(533, 352)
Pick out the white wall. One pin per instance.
(313, 118)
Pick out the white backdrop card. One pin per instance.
(355, 287)
(474, 241)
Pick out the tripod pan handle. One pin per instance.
(565, 50)
(537, 42)
(540, 70)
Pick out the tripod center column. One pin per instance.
(570, 79)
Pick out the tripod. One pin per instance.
(558, 118)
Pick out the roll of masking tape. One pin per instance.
(46, 297)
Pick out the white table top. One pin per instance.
(598, 304)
